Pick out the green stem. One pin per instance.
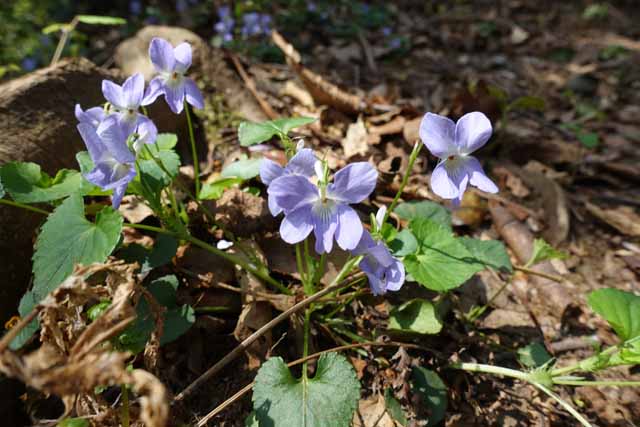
(495, 370)
(585, 362)
(319, 272)
(564, 404)
(580, 383)
(194, 153)
(229, 257)
(23, 206)
(124, 415)
(303, 275)
(412, 159)
(305, 348)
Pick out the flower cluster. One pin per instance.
(310, 202)
(225, 24)
(453, 143)
(116, 133)
(253, 24)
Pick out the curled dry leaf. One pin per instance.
(623, 218)
(322, 91)
(75, 358)
(356, 140)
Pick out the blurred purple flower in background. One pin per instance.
(302, 163)
(126, 100)
(135, 7)
(225, 24)
(385, 273)
(453, 143)
(323, 209)
(172, 64)
(29, 63)
(113, 161)
(255, 24)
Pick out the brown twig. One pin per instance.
(526, 270)
(337, 284)
(244, 390)
(250, 84)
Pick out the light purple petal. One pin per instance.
(274, 207)
(366, 242)
(154, 90)
(381, 254)
(98, 176)
(118, 194)
(473, 130)
(270, 170)
(147, 132)
(349, 229)
(382, 211)
(438, 134)
(292, 191)
(92, 141)
(353, 183)
(324, 229)
(303, 163)
(441, 183)
(93, 116)
(112, 136)
(174, 95)
(395, 276)
(478, 177)
(133, 91)
(162, 55)
(182, 54)
(297, 225)
(113, 93)
(193, 94)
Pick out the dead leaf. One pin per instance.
(356, 140)
(299, 94)
(134, 210)
(372, 412)
(394, 126)
(623, 218)
(410, 132)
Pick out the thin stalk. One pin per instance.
(13, 332)
(194, 153)
(305, 347)
(579, 383)
(495, 370)
(124, 415)
(303, 275)
(334, 286)
(319, 272)
(412, 159)
(579, 365)
(564, 404)
(526, 270)
(229, 257)
(23, 206)
(63, 40)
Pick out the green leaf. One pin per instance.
(588, 139)
(26, 183)
(166, 141)
(527, 103)
(27, 303)
(433, 391)
(163, 250)
(424, 210)
(394, 408)
(177, 319)
(68, 238)
(97, 310)
(621, 309)
(533, 355)
(161, 150)
(488, 253)
(74, 422)
(542, 251)
(329, 399)
(2, 192)
(418, 316)
(101, 20)
(251, 420)
(404, 243)
(55, 27)
(213, 190)
(442, 262)
(250, 133)
(244, 169)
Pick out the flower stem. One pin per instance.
(580, 383)
(124, 415)
(23, 206)
(494, 370)
(229, 257)
(194, 153)
(305, 347)
(412, 159)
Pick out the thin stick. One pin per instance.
(63, 40)
(335, 285)
(526, 270)
(23, 206)
(249, 83)
(244, 390)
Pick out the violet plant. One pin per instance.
(315, 206)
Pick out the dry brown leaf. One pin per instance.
(356, 140)
(372, 412)
(71, 363)
(134, 210)
(623, 218)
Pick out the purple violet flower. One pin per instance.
(93, 116)
(126, 100)
(323, 208)
(145, 133)
(303, 164)
(113, 161)
(224, 27)
(251, 24)
(453, 143)
(171, 64)
(385, 273)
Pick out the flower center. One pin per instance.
(324, 209)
